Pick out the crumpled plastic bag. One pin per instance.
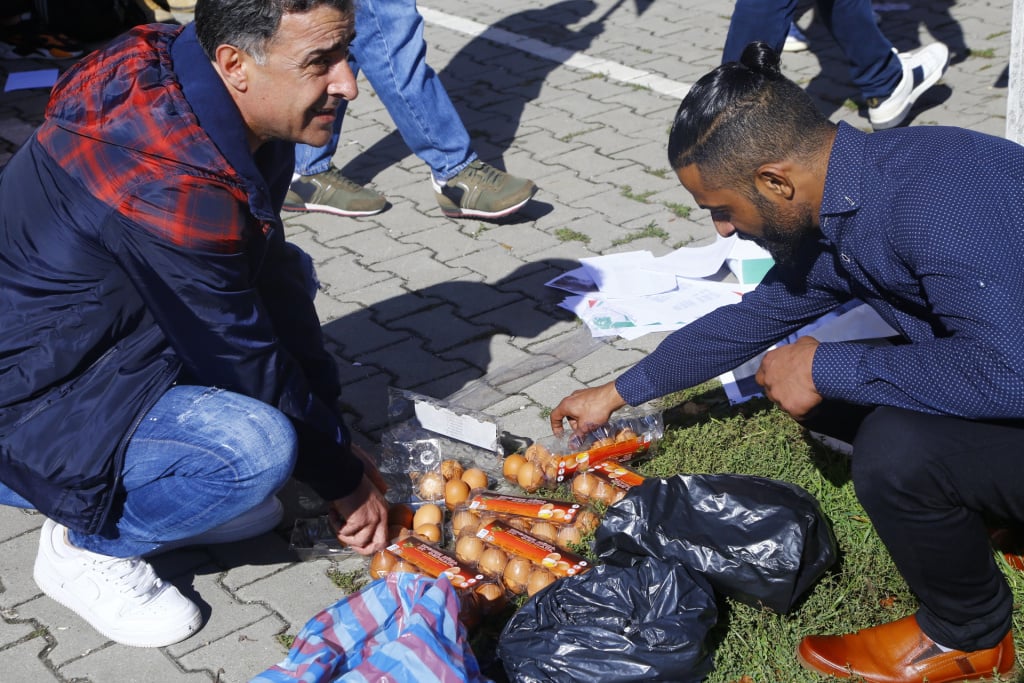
(403, 628)
(760, 541)
(646, 622)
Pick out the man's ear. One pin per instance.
(775, 179)
(233, 66)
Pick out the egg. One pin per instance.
(465, 521)
(586, 521)
(395, 531)
(511, 466)
(403, 566)
(521, 523)
(431, 486)
(516, 574)
(381, 563)
(539, 578)
(451, 469)
(529, 477)
(431, 532)
(455, 493)
(625, 435)
(600, 443)
(400, 514)
(493, 561)
(475, 477)
(583, 486)
(427, 514)
(468, 549)
(492, 597)
(568, 535)
(544, 530)
(537, 453)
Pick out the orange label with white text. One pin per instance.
(559, 562)
(434, 562)
(556, 511)
(619, 475)
(623, 450)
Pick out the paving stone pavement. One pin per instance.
(577, 95)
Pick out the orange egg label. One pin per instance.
(624, 450)
(619, 475)
(560, 562)
(537, 508)
(433, 561)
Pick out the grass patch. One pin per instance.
(286, 640)
(680, 210)
(649, 230)
(567, 235)
(658, 172)
(987, 53)
(641, 197)
(348, 582)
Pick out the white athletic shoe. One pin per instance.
(922, 68)
(122, 598)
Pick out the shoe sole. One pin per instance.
(54, 589)
(321, 208)
(1010, 675)
(474, 213)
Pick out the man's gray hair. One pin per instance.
(249, 24)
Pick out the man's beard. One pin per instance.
(787, 234)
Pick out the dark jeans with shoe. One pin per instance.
(930, 484)
(874, 67)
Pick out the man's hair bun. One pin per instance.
(762, 59)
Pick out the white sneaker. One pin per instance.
(796, 41)
(922, 68)
(258, 520)
(122, 598)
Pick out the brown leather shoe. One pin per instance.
(899, 652)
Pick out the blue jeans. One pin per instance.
(199, 458)
(390, 49)
(874, 67)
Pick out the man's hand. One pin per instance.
(785, 374)
(363, 518)
(586, 409)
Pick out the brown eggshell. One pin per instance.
(493, 561)
(451, 469)
(586, 521)
(455, 493)
(468, 549)
(529, 477)
(381, 563)
(492, 597)
(539, 578)
(427, 514)
(516, 574)
(475, 477)
(544, 530)
(431, 532)
(511, 466)
(465, 521)
(567, 535)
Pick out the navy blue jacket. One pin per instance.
(141, 245)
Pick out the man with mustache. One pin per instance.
(922, 224)
(162, 368)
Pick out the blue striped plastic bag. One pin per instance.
(403, 628)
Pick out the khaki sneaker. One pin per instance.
(482, 191)
(121, 597)
(331, 192)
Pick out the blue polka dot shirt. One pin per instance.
(925, 225)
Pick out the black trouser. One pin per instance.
(929, 484)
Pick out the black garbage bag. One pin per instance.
(760, 541)
(645, 622)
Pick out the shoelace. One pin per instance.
(131, 575)
(479, 173)
(338, 179)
